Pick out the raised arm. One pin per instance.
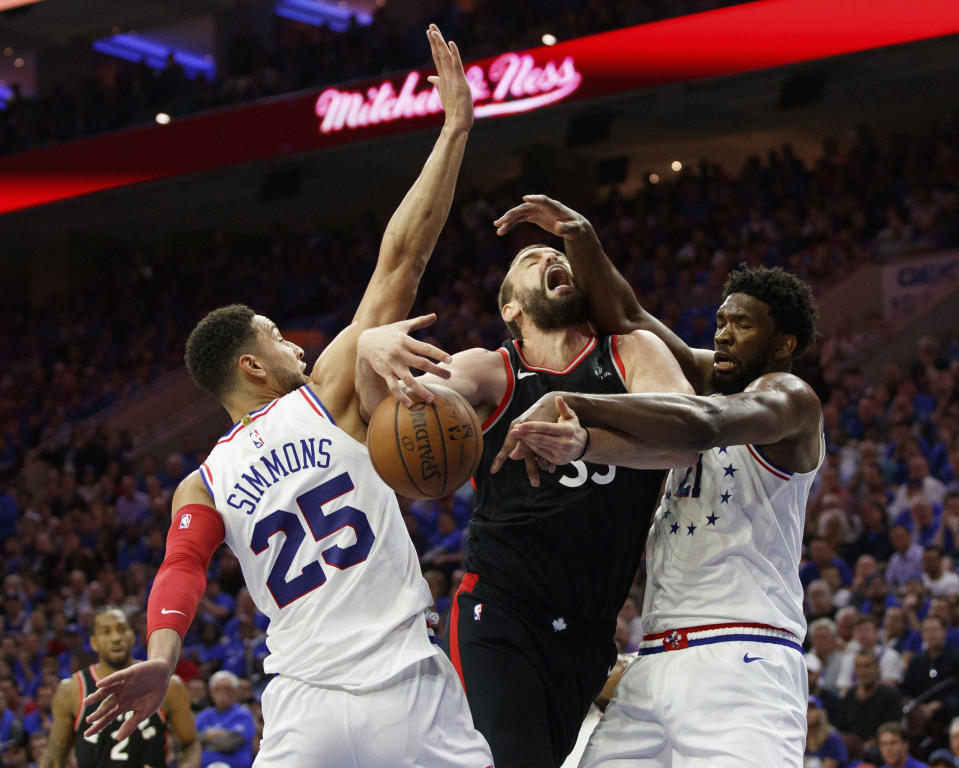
(613, 306)
(407, 242)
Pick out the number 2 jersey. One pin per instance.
(144, 748)
(572, 545)
(322, 545)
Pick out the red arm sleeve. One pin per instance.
(194, 535)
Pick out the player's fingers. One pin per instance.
(508, 445)
(98, 695)
(419, 390)
(425, 349)
(129, 726)
(528, 429)
(428, 366)
(420, 321)
(455, 57)
(532, 470)
(433, 80)
(398, 392)
(562, 407)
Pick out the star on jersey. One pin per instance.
(668, 494)
(722, 449)
(666, 513)
(690, 529)
(711, 520)
(724, 497)
(674, 527)
(730, 471)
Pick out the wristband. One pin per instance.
(585, 446)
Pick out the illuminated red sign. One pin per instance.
(512, 83)
(728, 41)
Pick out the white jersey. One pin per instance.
(725, 544)
(322, 544)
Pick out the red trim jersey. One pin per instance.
(322, 545)
(726, 542)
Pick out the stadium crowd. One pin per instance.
(292, 56)
(83, 517)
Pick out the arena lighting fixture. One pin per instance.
(162, 118)
(676, 166)
(318, 13)
(654, 178)
(549, 39)
(136, 48)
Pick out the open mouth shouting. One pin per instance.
(557, 280)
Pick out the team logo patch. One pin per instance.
(258, 441)
(185, 521)
(477, 612)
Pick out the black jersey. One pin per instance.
(145, 748)
(573, 544)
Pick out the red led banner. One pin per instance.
(742, 38)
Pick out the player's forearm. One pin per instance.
(666, 422)
(610, 447)
(371, 388)
(414, 228)
(164, 645)
(613, 306)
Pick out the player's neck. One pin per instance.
(554, 349)
(104, 668)
(244, 403)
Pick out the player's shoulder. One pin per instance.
(67, 694)
(789, 384)
(640, 341)
(191, 490)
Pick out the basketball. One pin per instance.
(428, 450)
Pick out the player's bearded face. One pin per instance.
(738, 378)
(549, 313)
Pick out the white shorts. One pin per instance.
(732, 704)
(418, 719)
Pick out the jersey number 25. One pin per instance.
(321, 525)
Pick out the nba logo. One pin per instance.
(258, 441)
(185, 521)
(477, 612)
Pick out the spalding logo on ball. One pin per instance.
(429, 449)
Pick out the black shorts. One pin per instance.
(529, 677)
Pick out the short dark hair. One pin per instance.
(790, 300)
(215, 344)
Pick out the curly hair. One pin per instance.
(790, 300)
(214, 345)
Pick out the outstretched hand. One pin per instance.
(390, 351)
(545, 436)
(138, 689)
(450, 80)
(546, 213)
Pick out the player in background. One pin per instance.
(320, 538)
(531, 628)
(720, 681)
(145, 746)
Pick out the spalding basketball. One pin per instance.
(428, 450)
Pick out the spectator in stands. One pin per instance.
(42, 717)
(954, 737)
(226, 729)
(906, 560)
(823, 741)
(870, 703)
(831, 702)
(895, 749)
(133, 505)
(826, 652)
(821, 553)
(942, 758)
(938, 582)
(947, 537)
(933, 674)
(819, 601)
(866, 638)
(920, 484)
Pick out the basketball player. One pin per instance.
(549, 568)
(112, 639)
(720, 680)
(320, 539)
